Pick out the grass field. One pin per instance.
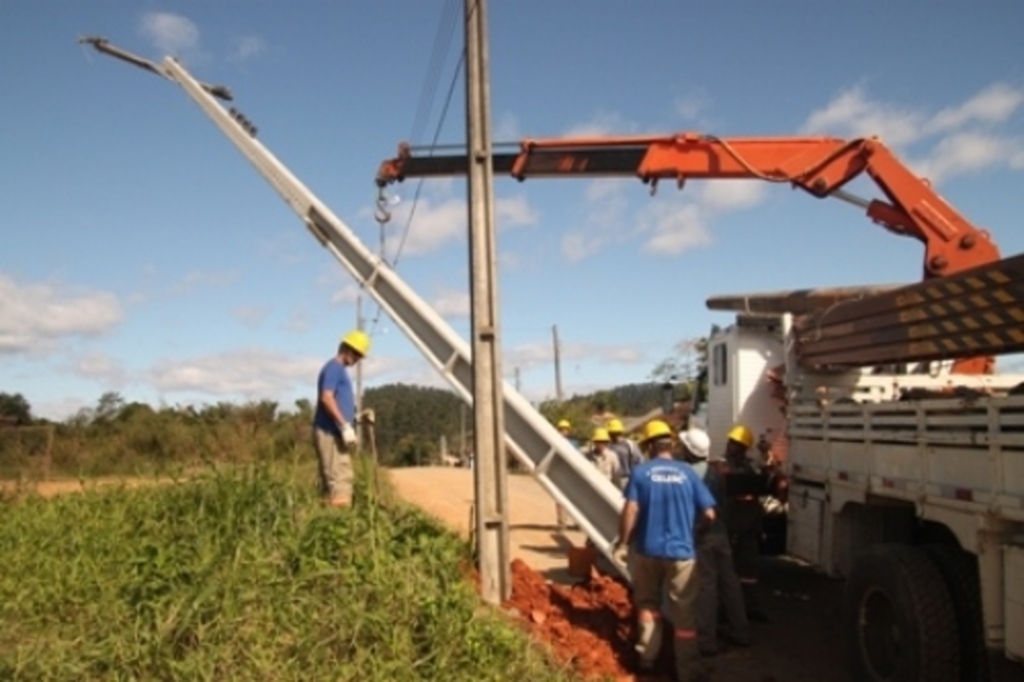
(242, 576)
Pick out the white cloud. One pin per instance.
(299, 319)
(346, 295)
(434, 224)
(197, 278)
(853, 114)
(514, 212)
(675, 229)
(608, 189)
(506, 128)
(509, 261)
(963, 153)
(603, 124)
(252, 316)
(732, 195)
(994, 104)
(440, 221)
(245, 48)
(170, 33)
(35, 317)
(629, 355)
(59, 409)
(251, 373)
(666, 225)
(451, 303)
(689, 107)
(1017, 159)
(604, 219)
(530, 355)
(959, 139)
(578, 244)
(100, 366)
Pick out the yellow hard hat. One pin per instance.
(600, 435)
(358, 341)
(564, 424)
(656, 429)
(741, 434)
(615, 426)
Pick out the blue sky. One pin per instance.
(140, 253)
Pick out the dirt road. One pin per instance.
(802, 642)
(447, 494)
(64, 486)
(591, 623)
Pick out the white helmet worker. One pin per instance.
(696, 441)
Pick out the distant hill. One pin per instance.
(412, 419)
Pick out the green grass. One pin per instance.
(242, 576)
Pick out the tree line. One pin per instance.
(413, 425)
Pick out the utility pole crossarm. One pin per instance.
(104, 46)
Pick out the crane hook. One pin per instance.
(382, 215)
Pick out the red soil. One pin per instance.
(588, 626)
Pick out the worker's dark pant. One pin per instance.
(718, 587)
(745, 540)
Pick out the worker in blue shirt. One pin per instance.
(334, 435)
(665, 502)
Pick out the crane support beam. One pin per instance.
(820, 166)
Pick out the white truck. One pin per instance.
(917, 501)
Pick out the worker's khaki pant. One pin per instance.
(657, 580)
(335, 467)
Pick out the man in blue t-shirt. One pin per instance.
(334, 436)
(665, 502)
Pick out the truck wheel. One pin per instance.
(899, 618)
(959, 570)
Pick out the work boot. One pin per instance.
(738, 641)
(757, 616)
(690, 665)
(753, 604)
(648, 642)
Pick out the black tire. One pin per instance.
(899, 618)
(959, 570)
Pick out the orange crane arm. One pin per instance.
(820, 166)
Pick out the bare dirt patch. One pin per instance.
(53, 488)
(589, 624)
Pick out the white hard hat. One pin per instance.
(696, 441)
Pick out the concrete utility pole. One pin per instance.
(490, 473)
(558, 363)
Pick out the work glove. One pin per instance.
(348, 435)
(620, 553)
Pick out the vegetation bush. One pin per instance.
(240, 574)
(116, 438)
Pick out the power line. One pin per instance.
(439, 54)
(442, 42)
